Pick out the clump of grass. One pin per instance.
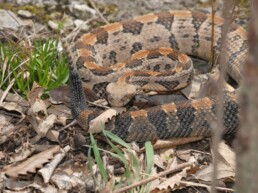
(41, 63)
(133, 167)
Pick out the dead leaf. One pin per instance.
(53, 135)
(11, 106)
(35, 93)
(33, 163)
(45, 125)
(228, 156)
(224, 171)
(96, 125)
(174, 180)
(60, 95)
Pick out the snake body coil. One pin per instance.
(110, 52)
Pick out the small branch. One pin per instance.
(97, 10)
(145, 181)
(212, 34)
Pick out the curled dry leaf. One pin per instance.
(38, 107)
(11, 106)
(45, 125)
(33, 163)
(96, 125)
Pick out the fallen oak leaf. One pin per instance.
(95, 125)
(33, 163)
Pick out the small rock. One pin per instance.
(8, 20)
(82, 11)
(53, 25)
(25, 14)
(80, 23)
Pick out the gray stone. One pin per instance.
(8, 20)
(25, 14)
(81, 11)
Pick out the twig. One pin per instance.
(223, 60)
(205, 186)
(172, 170)
(212, 34)
(97, 10)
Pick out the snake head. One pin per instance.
(119, 94)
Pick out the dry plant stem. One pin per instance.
(218, 130)
(212, 34)
(172, 170)
(97, 10)
(205, 186)
(247, 144)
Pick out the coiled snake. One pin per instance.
(145, 53)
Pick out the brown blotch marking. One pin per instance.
(217, 20)
(134, 63)
(166, 19)
(182, 58)
(140, 113)
(198, 16)
(168, 108)
(185, 14)
(203, 103)
(117, 66)
(241, 31)
(101, 35)
(79, 45)
(153, 54)
(140, 54)
(102, 71)
(84, 52)
(127, 75)
(146, 18)
(89, 38)
(132, 26)
(83, 119)
(90, 65)
(89, 59)
(165, 50)
(114, 27)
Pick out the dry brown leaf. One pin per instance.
(228, 156)
(22, 153)
(224, 171)
(11, 106)
(33, 163)
(158, 161)
(35, 93)
(174, 180)
(45, 125)
(38, 107)
(96, 125)
(53, 135)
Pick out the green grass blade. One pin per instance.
(98, 159)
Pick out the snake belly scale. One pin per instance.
(113, 51)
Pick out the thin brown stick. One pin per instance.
(145, 181)
(97, 10)
(212, 34)
(223, 60)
